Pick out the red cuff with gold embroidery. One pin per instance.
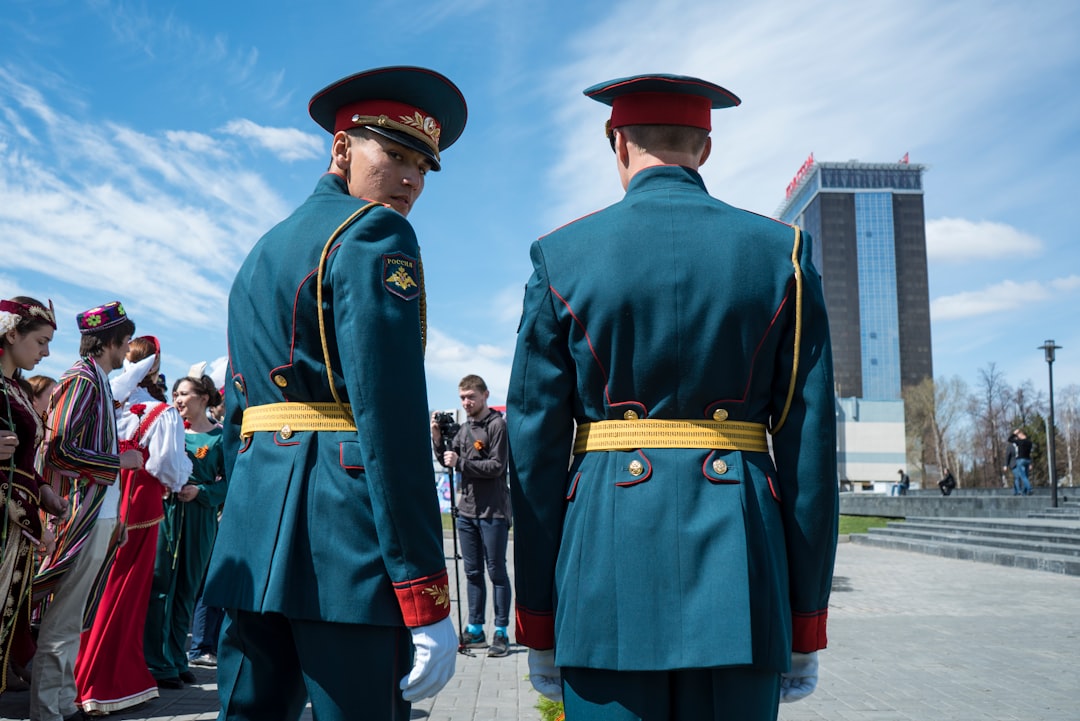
(424, 600)
(535, 629)
(808, 631)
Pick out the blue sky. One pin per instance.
(145, 146)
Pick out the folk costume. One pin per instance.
(184, 544)
(330, 560)
(20, 483)
(111, 672)
(80, 458)
(677, 561)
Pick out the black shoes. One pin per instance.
(173, 682)
(474, 640)
(500, 645)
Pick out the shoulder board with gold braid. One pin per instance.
(319, 298)
(795, 250)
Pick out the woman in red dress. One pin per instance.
(26, 329)
(111, 671)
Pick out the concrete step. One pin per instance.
(1056, 526)
(1050, 544)
(1028, 542)
(1048, 562)
(1068, 511)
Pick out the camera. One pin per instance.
(448, 427)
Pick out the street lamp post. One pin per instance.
(1049, 348)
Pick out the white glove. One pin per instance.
(433, 663)
(801, 680)
(544, 674)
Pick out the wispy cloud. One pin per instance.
(288, 144)
(165, 217)
(161, 35)
(1005, 296)
(957, 240)
(432, 14)
(844, 80)
(448, 360)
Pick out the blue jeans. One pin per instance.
(1021, 484)
(484, 541)
(205, 628)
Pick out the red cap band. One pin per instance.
(402, 113)
(694, 111)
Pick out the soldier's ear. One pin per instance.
(706, 151)
(622, 148)
(340, 148)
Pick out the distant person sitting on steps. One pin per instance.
(947, 483)
(900, 487)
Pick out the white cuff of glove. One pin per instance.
(433, 662)
(544, 674)
(801, 680)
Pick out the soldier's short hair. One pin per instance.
(666, 138)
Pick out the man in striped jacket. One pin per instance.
(81, 460)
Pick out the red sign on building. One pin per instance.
(803, 171)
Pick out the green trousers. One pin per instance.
(707, 694)
(270, 665)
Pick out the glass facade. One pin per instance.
(856, 177)
(879, 331)
(869, 239)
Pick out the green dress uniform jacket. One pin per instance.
(673, 305)
(339, 526)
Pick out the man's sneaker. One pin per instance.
(500, 644)
(474, 640)
(207, 660)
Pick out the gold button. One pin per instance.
(280, 381)
(636, 468)
(719, 466)
(719, 415)
(239, 386)
(286, 432)
(630, 416)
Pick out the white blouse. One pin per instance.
(168, 461)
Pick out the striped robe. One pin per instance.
(79, 458)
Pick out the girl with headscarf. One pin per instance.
(26, 329)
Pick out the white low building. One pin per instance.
(870, 444)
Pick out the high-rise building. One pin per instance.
(870, 246)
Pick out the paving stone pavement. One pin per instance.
(912, 638)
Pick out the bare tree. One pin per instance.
(990, 412)
(1027, 403)
(1067, 421)
(935, 411)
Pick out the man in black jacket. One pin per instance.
(479, 453)
(1018, 460)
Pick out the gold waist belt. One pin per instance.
(649, 433)
(288, 418)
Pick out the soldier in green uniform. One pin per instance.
(329, 559)
(678, 569)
